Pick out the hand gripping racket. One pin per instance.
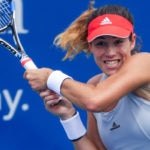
(7, 22)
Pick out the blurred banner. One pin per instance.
(24, 122)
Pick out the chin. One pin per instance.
(109, 73)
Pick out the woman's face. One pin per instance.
(110, 52)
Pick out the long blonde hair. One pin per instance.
(73, 39)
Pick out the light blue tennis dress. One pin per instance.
(127, 126)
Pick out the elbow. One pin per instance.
(93, 108)
(93, 105)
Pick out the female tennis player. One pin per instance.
(118, 99)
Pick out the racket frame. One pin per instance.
(19, 52)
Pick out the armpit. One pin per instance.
(144, 91)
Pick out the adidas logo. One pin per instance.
(114, 126)
(105, 21)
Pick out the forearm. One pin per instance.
(76, 133)
(85, 144)
(87, 96)
(90, 97)
(104, 94)
(77, 92)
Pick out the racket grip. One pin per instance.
(28, 63)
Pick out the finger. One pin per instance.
(59, 101)
(47, 94)
(52, 102)
(26, 75)
(44, 93)
(55, 104)
(60, 98)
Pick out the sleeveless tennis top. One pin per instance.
(127, 126)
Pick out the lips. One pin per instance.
(112, 63)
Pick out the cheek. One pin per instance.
(125, 51)
(98, 52)
(124, 54)
(127, 48)
(98, 57)
(95, 51)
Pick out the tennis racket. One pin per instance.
(7, 22)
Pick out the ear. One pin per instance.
(90, 47)
(133, 41)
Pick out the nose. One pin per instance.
(110, 51)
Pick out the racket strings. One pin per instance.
(5, 14)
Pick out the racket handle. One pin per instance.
(28, 63)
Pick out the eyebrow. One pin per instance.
(104, 37)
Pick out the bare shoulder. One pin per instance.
(141, 56)
(95, 79)
(139, 62)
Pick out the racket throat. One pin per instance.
(27, 62)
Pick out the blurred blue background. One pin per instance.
(24, 122)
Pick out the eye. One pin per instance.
(99, 44)
(119, 41)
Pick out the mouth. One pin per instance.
(112, 63)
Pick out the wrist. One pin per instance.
(74, 127)
(68, 115)
(55, 81)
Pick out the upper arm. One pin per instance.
(95, 79)
(134, 73)
(92, 132)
